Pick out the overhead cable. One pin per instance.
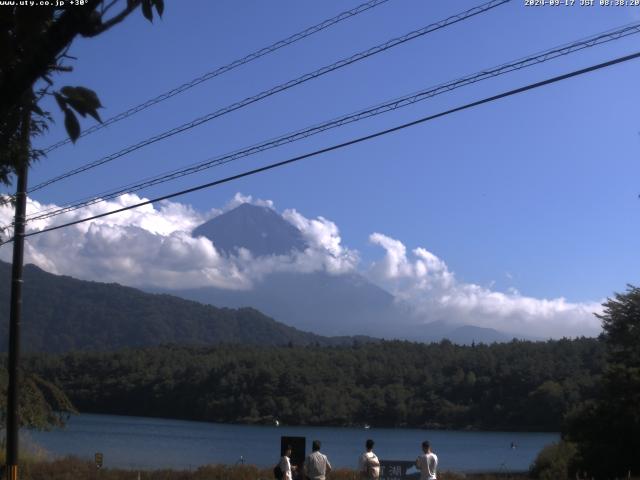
(385, 107)
(224, 69)
(289, 161)
(279, 88)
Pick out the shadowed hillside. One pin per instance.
(61, 313)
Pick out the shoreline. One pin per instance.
(270, 422)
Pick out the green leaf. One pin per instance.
(83, 100)
(90, 97)
(159, 6)
(95, 115)
(72, 125)
(68, 91)
(36, 109)
(78, 106)
(62, 103)
(146, 10)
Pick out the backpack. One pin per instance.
(277, 472)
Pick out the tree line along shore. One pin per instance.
(527, 386)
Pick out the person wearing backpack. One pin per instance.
(282, 471)
(368, 463)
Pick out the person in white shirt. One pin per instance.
(285, 464)
(368, 463)
(427, 463)
(316, 465)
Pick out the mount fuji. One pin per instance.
(319, 302)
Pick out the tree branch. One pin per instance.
(103, 27)
(106, 8)
(16, 81)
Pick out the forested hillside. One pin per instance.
(61, 313)
(516, 385)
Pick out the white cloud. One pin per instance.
(147, 246)
(325, 244)
(426, 283)
(238, 199)
(152, 246)
(395, 264)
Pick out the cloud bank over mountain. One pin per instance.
(152, 246)
(424, 281)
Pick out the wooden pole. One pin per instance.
(13, 418)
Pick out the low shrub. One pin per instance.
(554, 462)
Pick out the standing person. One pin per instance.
(427, 463)
(316, 465)
(285, 464)
(368, 463)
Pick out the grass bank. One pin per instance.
(71, 468)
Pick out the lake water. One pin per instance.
(145, 443)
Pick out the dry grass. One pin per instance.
(71, 468)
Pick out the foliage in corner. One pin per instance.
(554, 462)
(42, 404)
(607, 428)
(34, 45)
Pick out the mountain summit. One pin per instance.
(260, 230)
(319, 302)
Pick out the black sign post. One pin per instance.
(298, 445)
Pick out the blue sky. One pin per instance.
(537, 192)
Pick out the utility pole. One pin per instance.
(13, 420)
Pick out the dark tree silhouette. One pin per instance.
(34, 42)
(607, 429)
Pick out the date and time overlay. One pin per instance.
(526, 3)
(581, 3)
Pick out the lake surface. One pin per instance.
(146, 443)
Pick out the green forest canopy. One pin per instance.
(516, 385)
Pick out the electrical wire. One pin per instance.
(224, 69)
(279, 88)
(387, 131)
(391, 105)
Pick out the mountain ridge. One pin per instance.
(61, 313)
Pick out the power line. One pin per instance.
(224, 69)
(282, 87)
(345, 119)
(397, 103)
(509, 93)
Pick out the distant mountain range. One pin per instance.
(62, 314)
(318, 302)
